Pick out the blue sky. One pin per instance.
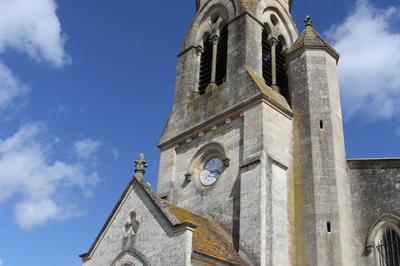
(85, 86)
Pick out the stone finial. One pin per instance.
(308, 21)
(140, 165)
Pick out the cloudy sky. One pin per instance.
(85, 86)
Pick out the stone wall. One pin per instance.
(217, 200)
(375, 188)
(265, 176)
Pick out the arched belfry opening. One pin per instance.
(273, 62)
(205, 65)
(281, 70)
(266, 57)
(222, 57)
(213, 50)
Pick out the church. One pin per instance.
(253, 169)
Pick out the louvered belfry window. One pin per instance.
(281, 74)
(267, 59)
(388, 248)
(222, 56)
(205, 66)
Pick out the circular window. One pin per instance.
(212, 171)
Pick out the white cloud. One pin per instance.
(26, 213)
(10, 88)
(1, 262)
(40, 185)
(42, 188)
(87, 147)
(32, 27)
(369, 43)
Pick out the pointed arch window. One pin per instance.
(213, 62)
(388, 248)
(383, 240)
(273, 63)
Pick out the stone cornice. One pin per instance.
(232, 113)
(292, 54)
(219, 119)
(374, 163)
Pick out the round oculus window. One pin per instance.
(212, 171)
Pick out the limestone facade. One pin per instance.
(285, 192)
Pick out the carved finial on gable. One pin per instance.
(308, 21)
(140, 166)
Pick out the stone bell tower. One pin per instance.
(255, 139)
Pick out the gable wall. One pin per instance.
(154, 238)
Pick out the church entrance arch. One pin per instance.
(130, 257)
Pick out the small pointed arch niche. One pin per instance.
(383, 241)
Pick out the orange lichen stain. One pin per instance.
(209, 237)
(298, 191)
(266, 90)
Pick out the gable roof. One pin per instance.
(209, 238)
(210, 241)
